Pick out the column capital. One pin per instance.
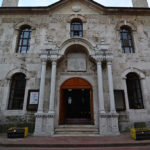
(54, 62)
(54, 57)
(43, 58)
(109, 59)
(98, 58)
(109, 62)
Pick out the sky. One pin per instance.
(120, 3)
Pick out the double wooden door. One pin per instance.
(76, 102)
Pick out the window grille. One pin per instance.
(134, 91)
(17, 90)
(126, 39)
(24, 39)
(76, 28)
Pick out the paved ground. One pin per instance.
(114, 148)
(122, 142)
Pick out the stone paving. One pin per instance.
(122, 142)
(114, 148)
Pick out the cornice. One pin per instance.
(106, 10)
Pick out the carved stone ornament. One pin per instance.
(76, 8)
(98, 58)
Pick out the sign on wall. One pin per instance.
(33, 99)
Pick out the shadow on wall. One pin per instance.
(15, 121)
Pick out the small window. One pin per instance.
(126, 39)
(17, 90)
(134, 91)
(24, 39)
(76, 28)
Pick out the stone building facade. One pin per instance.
(83, 62)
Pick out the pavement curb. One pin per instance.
(76, 145)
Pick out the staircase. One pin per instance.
(76, 130)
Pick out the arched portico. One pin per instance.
(76, 64)
(76, 41)
(76, 102)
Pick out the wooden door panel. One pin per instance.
(74, 83)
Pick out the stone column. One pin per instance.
(126, 93)
(51, 113)
(39, 131)
(101, 114)
(42, 86)
(145, 92)
(111, 89)
(52, 87)
(100, 87)
(111, 122)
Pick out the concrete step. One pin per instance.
(76, 126)
(76, 130)
(76, 134)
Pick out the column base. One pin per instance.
(44, 124)
(108, 124)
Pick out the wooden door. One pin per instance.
(74, 83)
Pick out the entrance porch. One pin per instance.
(76, 94)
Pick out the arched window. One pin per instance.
(76, 28)
(134, 91)
(17, 90)
(126, 39)
(24, 39)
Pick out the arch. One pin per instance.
(18, 70)
(17, 26)
(79, 16)
(76, 19)
(78, 41)
(133, 70)
(126, 23)
(25, 26)
(75, 83)
(126, 27)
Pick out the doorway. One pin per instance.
(76, 102)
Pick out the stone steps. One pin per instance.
(76, 130)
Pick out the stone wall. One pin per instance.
(27, 120)
(50, 30)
